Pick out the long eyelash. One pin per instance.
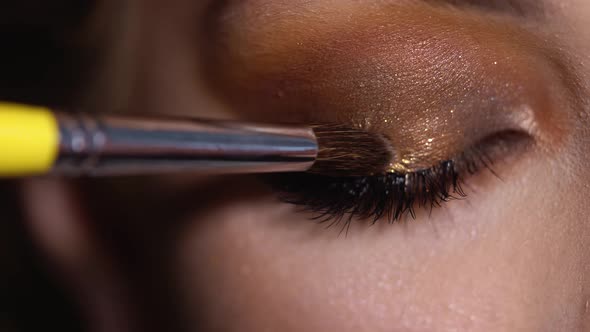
(334, 200)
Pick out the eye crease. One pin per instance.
(456, 94)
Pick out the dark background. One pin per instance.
(44, 58)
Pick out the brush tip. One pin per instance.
(347, 152)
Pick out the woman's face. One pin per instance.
(436, 76)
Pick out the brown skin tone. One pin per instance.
(409, 73)
(224, 254)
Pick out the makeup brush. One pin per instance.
(35, 140)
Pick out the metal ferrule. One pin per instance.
(95, 145)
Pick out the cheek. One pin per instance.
(483, 264)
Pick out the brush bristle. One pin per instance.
(347, 152)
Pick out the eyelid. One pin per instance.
(415, 73)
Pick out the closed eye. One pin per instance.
(454, 86)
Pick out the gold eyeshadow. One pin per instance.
(435, 80)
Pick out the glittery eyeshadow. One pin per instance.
(433, 80)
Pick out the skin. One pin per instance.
(193, 253)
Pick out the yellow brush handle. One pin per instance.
(29, 140)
